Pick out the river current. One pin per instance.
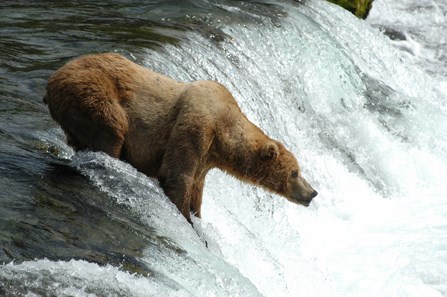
(361, 103)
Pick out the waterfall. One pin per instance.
(368, 126)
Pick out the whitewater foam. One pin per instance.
(80, 278)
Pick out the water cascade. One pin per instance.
(369, 127)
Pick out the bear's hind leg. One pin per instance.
(103, 129)
(73, 142)
(108, 140)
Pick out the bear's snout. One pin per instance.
(307, 202)
(302, 192)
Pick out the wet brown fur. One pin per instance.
(173, 131)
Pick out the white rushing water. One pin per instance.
(368, 124)
(423, 24)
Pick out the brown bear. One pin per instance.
(173, 131)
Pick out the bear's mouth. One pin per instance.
(305, 203)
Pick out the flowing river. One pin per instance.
(362, 104)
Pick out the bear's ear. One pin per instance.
(269, 150)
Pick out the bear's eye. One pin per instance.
(294, 174)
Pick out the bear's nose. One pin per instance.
(314, 194)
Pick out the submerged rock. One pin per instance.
(393, 34)
(359, 8)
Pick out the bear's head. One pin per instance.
(281, 174)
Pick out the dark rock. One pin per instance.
(359, 8)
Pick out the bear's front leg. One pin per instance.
(177, 177)
(196, 195)
(181, 172)
(178, 189)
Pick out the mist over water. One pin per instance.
(365, 117)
